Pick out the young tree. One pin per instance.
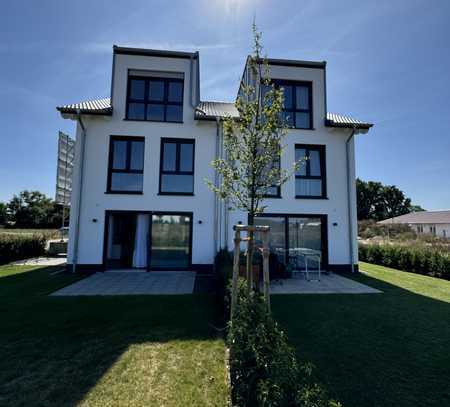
(253, 144)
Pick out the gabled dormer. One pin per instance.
(304, 86)
(154, 86)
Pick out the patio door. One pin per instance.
(148, 240)
(293, 234)
(305, 236)
(171, 241)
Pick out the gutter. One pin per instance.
(80, 191)
(349, 199)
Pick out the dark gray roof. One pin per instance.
(98, 106)
(206, 110)
(420, 217)
(154, 52)
(293, 62)
(338, 120)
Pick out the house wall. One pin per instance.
(336, 204)
(99, 129)
(442, 229)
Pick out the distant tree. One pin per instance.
(394, 202)
(32, 209)
(3, 213)
(416, 208)
(377, 201)
(368, 198)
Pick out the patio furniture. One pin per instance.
(307, 255)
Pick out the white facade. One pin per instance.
(211, 220)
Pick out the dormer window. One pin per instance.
(297, 109)
(157, 99)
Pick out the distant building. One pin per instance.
(436, 223)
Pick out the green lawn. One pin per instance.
(105, 351)
(390, 349)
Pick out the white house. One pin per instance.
(139, 198)
(434, 223)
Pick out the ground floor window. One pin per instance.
(295, 237)
(148, 240)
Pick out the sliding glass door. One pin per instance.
(171, 241)
(305, 237)
(297, 235)
(121, 231)
(148, 240)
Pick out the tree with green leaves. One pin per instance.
(377, 201)
(3, 213)
(32, 209)
(253, 144)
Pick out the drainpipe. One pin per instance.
(349, 200)
(80, 191)
(216, 198)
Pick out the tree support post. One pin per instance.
(237, 244)
(266, 281)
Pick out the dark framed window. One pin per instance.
(310, 177)
(176, 172)
(126, 165)
(155, 99)
(297, 110)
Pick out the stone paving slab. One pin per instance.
(329, 284)
(132, 283)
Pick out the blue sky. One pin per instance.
(388, 62)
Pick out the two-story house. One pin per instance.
(139, 198)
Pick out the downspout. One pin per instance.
(216, 198)
(349, 203)
(80, 191)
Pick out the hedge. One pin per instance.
(18, 247)
(263, 366)
(415, 259)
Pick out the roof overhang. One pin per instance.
(154, 52)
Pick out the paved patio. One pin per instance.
(132, 283)
(329, 284)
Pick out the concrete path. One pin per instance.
(329, 284)
(132, 283)
(41, 261)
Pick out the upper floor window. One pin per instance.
(155, 99)
(177, 166)
(297, 110)
(126, 164)
(310, 178)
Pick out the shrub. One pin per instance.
(264, 368)
(18, 247)
(223, 267)
(416, 259)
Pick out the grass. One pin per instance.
(389, 349)
(105, 351)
